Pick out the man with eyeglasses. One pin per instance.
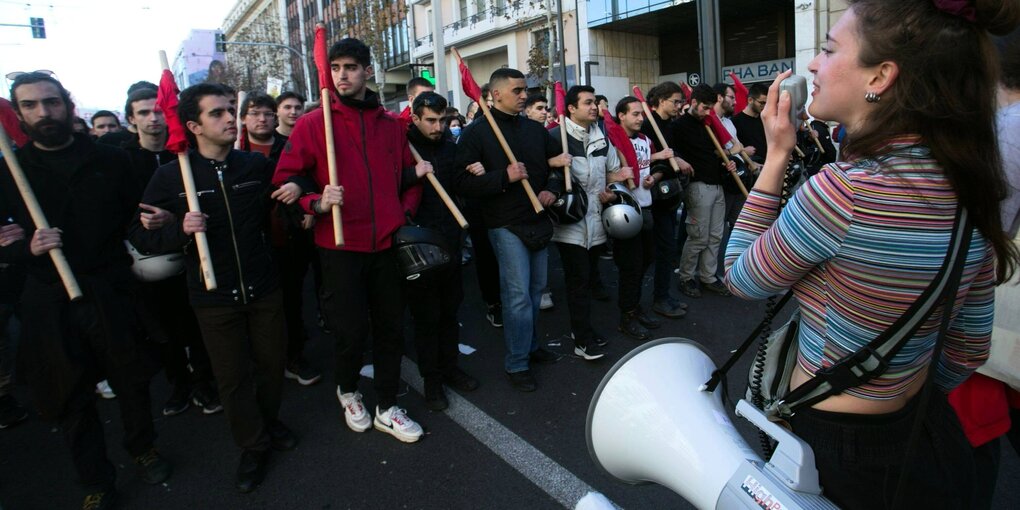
(750, 130)
(258, 112)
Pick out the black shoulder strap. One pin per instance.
(872, 360)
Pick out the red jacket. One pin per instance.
(371, 156)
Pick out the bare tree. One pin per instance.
(248, 67)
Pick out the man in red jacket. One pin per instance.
(361, 279)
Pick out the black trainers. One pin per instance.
(588, 352)
(206, 397)
(299, 370)
(646, 320)
(544, 356)
(280, 437)
(630, 326)
(100, 500)
(495, 315)
(676, 303)
(11, 412)
(689, 288)
(251, 470)
(460, 380)
(153, 467)
(179, 400)
(665, 309)
(435, 399)
(718, 288)
(598, 340)
(522, 381)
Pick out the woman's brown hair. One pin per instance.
(944, 92)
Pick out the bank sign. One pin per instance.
(757, 71)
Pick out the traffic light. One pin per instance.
(38, 28)
(221, 45)
(427, 74)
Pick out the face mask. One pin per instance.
(455, 131)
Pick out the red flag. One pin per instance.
(741, 92)
(166, 100)
(467, 82)
(721, 134)
(618, 137)
(11, 124)
(638, 94)
(322, 58)
(405, 116)
(561, 100)
(687, 91)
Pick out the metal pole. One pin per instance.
(708, 28)
(438, 48)
(562, 40)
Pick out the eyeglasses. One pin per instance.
(15, 74)
(265, 115)
(678, 102)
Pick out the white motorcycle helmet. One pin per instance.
(154, 268)
(622, 217)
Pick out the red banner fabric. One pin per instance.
(618, 137)
(166, 100)
(740, 91)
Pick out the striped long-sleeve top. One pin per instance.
(858, 243)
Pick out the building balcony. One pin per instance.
(512, 16)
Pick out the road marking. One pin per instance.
(558, 482)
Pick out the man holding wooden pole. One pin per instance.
(88, 195)
(362, 283)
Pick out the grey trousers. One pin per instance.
(706, 217)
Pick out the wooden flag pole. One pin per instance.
(726, 159)
(563, 141)
(38, 217)
(506, 147)
(658, 133)
(441, 191)
(201, 241)
(334, 179)
(814, 138)
(239, 122)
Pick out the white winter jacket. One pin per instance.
(593, 158)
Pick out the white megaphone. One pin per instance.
(651, 421)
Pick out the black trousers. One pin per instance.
(362, 295)
(633, 257)
(247, 347)
(664, 229)
(294, 259)
(170, 322)
(577, 270)
(67, 347)
(486, 265)
(863, 458)
(434, 300)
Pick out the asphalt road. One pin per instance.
(495, 448)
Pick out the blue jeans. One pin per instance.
(522, 276)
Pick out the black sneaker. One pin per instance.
(179, 400)
(251, 470)
(206, 397)
(522, 381)
(460, 380)
(676, 303)
(630, 326)
(435, 399)
(665, 309)
(495, 315)
(100, 500)
(11, 412)
(588, 352)
(646, 320)
(299, 370)
(598, 340)
(600, 292)
(154, 468)
(280, 437)
(689, 288)
(544, 356)
(718, 288)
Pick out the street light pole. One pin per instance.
(438, 48)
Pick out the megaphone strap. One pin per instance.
(720, 373)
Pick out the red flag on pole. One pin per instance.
(561, 99)
(687, 91)
(11, 124)
(741, 92)
(322, 59)
(721, 134)
(637, 93)
(618, 137)
(467, 82)
(166, 100)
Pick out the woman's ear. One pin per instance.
(884, 77)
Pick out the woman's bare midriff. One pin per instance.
(850, 404)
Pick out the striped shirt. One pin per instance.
(858, 243)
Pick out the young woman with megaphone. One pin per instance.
(865, 242)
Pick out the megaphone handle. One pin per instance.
(793, 460)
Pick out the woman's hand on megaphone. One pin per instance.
(780, 134)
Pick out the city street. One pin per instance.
(494, 448)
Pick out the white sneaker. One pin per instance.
(104, 390)
(547, 301)
(394, 421)
(355, 415)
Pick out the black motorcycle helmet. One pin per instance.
(668, 192)
(420, 250)
(569, 207)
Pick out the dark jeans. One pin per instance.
(633, 257)
(863, 458)
(664, 229)
(486, 264)
(247, 348)
(434, 300)
(293, 260)
(577, 270)
(362, 295)
(171, 323)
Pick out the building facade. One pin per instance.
(197, 58)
